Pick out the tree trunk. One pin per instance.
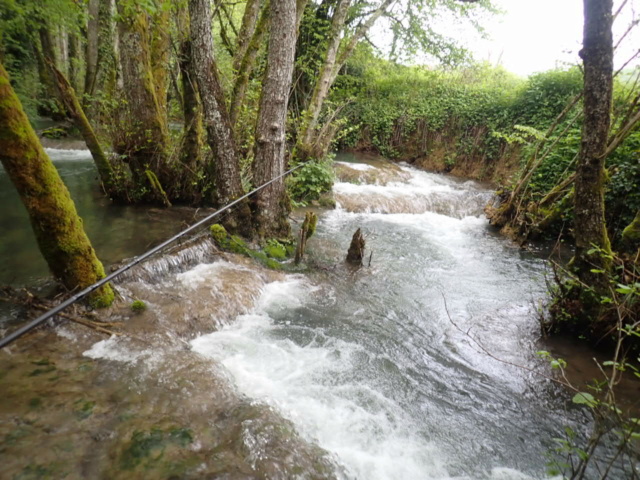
(107, 58)
(271, 204)
(247, 29)
(70, 100)
(146, 142)
(225, 168)
(55, 222)
(49, 107)
(589, 225)
(74, 60)
(193, 134)
(329, 73)
(247, 64)
(160, 45)
(324, 77)
(91, 50)
(631, 234)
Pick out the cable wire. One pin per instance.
(12, 337)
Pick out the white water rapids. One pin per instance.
(368, 365)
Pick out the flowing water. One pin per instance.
(388, 368)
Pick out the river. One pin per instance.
(388, 368)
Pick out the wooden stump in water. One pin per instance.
(356, 249)
(308, 229)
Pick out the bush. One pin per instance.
(312, 180)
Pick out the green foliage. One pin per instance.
(480, 108)
(275, 249)
(309, 182)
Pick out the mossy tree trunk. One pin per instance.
(589, 225)
(271, 204)
(193, 133)
(145, 144)
(70, 100)
(225, 168)
(631, 234)
(244, 66)
(55, 222)
(160, 46)
(100, 55)
(107, 58)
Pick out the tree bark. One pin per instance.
(49, 107)
(225, 168)
(55, 222)
(247, 64)
(329, 72)
(74, 60)
(355, 253)
(271, 204)
(91, 50)
(146, 142)
(247, 29)
(160, 45)
(193, 134)
(323, 83)
(589, 225)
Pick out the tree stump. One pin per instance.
(308, 229)
(356, 249)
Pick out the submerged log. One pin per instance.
(356, 249)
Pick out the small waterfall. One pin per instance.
(417, 192)
(183, 256)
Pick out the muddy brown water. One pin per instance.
(236, 371)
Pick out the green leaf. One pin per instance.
(584, 398)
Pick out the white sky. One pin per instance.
(538, 35)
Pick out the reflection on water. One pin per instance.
(116, 231)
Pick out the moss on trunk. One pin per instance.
(55, 222)
(631, 234)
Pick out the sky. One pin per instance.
(538, 35)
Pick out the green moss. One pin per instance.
(138, 306)
(54, 133)
(275, 249)
(149, 446)
(84, 408)
(313, 223)
(235, 244)
(218, 232)
(631, 234)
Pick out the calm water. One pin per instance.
(116, 232)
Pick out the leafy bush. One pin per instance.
(312, 180)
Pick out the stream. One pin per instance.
(384, 368)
